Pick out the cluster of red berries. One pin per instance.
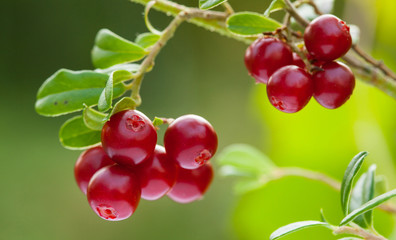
(130, 165)
(289, 84)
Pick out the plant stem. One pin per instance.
(357, 231)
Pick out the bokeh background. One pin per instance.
(197, 72)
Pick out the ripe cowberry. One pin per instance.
(129, 137)
(264, 56)
(191, 141)
(114, 192)
(327, 38)
(88, 164)
(191, 184)
(290, 89)
(334, 85)
(156, 175)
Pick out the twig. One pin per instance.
(357, 231)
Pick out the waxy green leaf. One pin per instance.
(250, 23)
(293, 227)
(123, 104)
(146, 40)
(111, 49)
(130, 67)
(106, 97)
(368, 206)
(275, 5)
(350, 173)
(94, 119)
(208, 4)
(75, 135)
(67, 91)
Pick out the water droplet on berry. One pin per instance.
(203, 157)
(135, 123)
(106, 212)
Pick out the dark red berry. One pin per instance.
(191, 141)
(129, 137)
(156, 175)
(114, 192)
(327, 38)
(334, 85)
(297, 61)
(192, 184)
(88, 164)
(266, 55)
(290, 89)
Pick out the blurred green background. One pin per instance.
(197, 72)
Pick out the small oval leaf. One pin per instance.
(146, 40)
(123, 104)
(349, 175)
(130, 67)
(94, 119)
(293, 227)
(368, 206)
(250, 23)
(111, 49)
(274, 6)
(208, 4)
(106, 97)
(75, 135)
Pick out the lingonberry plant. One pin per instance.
(123, 162)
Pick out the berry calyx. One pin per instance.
(327, 38)
(334, 85)
(266, 55)
(191, 141)
(129, 137)
(191, 185)
(114, 193)
(88, 163)
(290, 89)
(156, 175)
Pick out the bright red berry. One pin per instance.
(266, 55)
(129, 137)
(334, 85)
(191, 141)
(114, 193)
(290, 89)
(297, 61)
(156, 175)
(88, 164)
(327, 38)
(192, 184)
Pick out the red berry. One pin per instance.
(129, 137)
(114, 193)
(156, 175)
(334, 85)
(327, 38)
(87, 164)
(266, 55)
(298, 61)
(191, 141)
(192, 184)
(290, 89)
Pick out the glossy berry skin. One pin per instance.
(334, 85)
(266, 55)
(129, 137)
(156, 175)
(191, 141)
(327, 38)
(297, 61)
(290, 89)
(88, 164)
(191, 185)
(114, 193)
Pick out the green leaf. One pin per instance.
(111, 49)
(94, 119)
(245, 160)
(274, 6)
(66, 91)
(130, 67)
(322, 216)
(75, 135)
(293, 227)
(157, 122)
(250, 23)
(380, 185)
(350, 173)
(208, 4)
(362, 193)
(368, 206)
(106, 97)
(355, 33)
(123, 104)
(146, 40)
